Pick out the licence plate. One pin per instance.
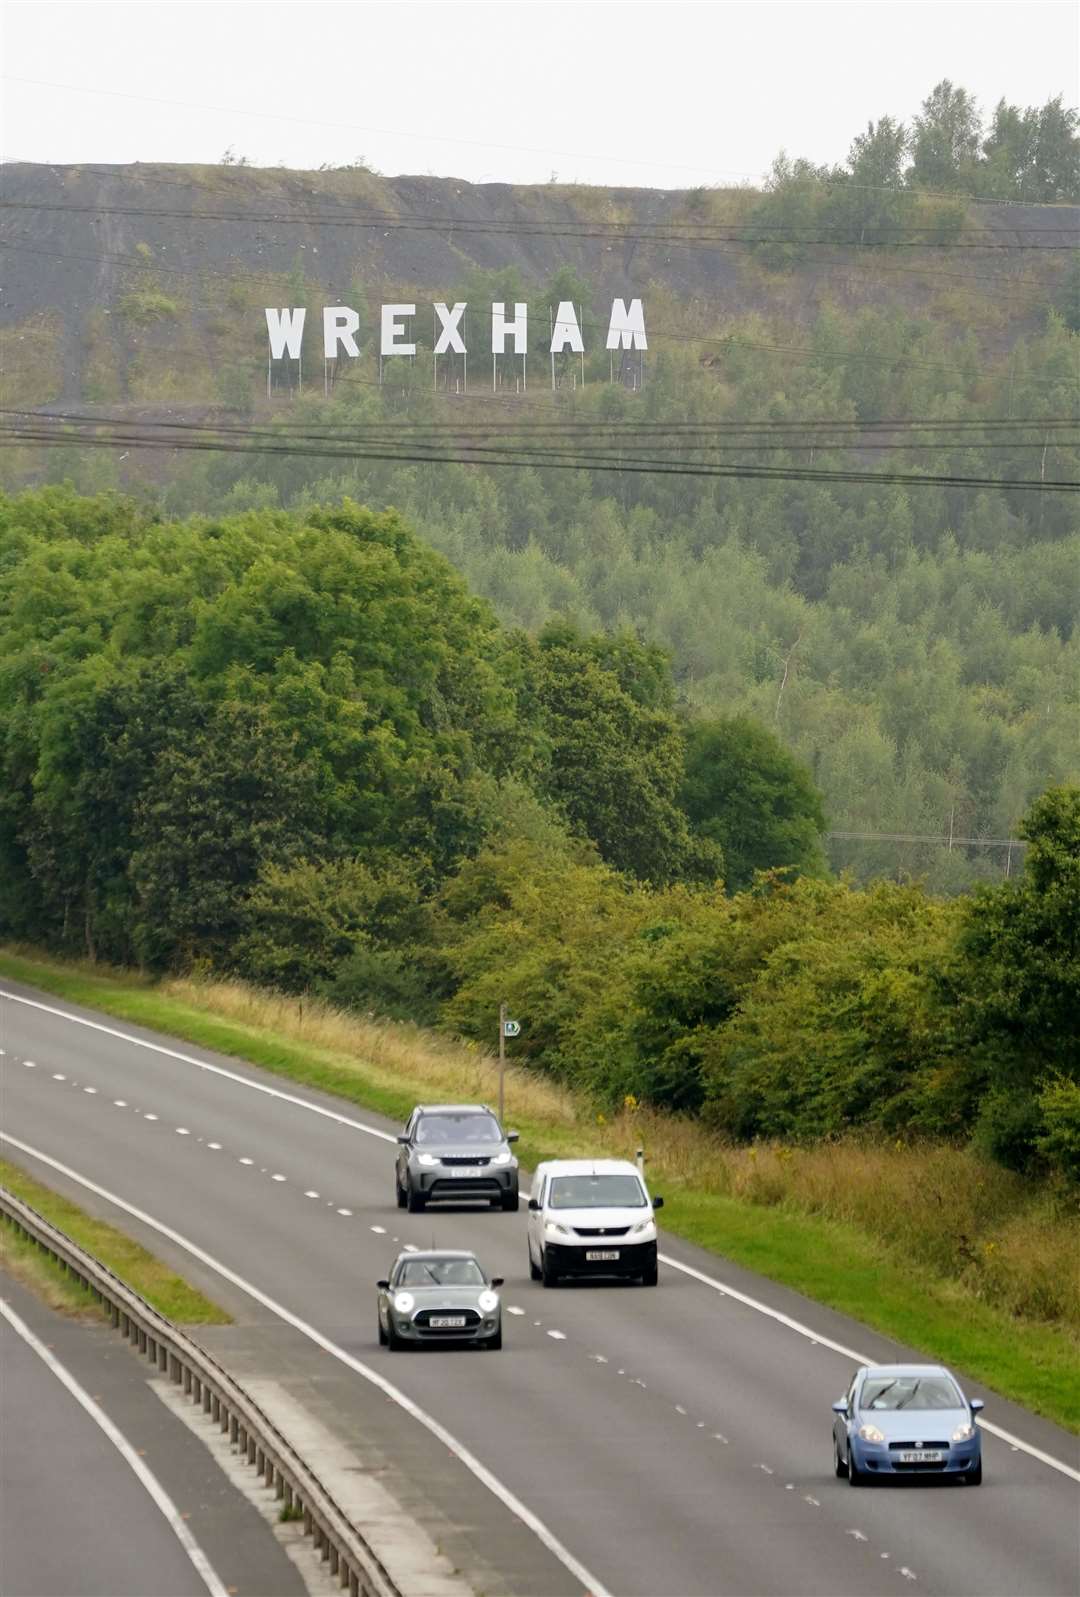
(470, 1170)
(923, 1457)
(612, 1253)
(446, 1322)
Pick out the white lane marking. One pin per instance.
(379, 1230)
(410, 1247)
(512, 1308)
(119, 1103)
(559, 1336)
(386, 1136)
(701, 1425)
(28, 1064)
(636, 1381)
(718, 1436)
(91, 1090)
(812, 1501)
(348, 1215)
(484, 1475)
(857, 1534)
(200, 1064)
(908, 1574)
(279, 1178)
(245, 1161)
(182, 1131)
(851, 1353)
(311, 1193)
(216, 1146)
(146, 1478)
(149, 1116)
(790, 1487)
(597, 1358)
(766, 1468)
(679, 1409)
(58, 1077)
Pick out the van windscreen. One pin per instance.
(596, 1192)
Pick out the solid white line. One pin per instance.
(200, 1064)
(851, 1353)
(385, 1136)
(470, 1461)
(164, 1502)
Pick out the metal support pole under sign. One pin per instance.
(507, 1028)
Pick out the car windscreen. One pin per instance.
(596, 1192)
(440, 1272)
(452, 1131)
(909, 1392)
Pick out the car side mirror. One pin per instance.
(658, 1203)
(977, 1405)
(497, 1280)
(840, 1407)
(403, 1138)
(534, 1205)
(383, 1286)
(511, 1136)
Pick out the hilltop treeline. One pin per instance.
(297, 748)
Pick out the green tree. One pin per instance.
(945, 136)
(745, 792)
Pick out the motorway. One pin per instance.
(667, 1443)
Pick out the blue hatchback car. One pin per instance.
(906, 1419)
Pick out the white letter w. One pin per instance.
(286, 329)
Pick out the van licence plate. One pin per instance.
(601, 1257)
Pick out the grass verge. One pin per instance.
(966, 1262)
(167, 1292)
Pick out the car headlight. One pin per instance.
(554, 1229)
(870, 1433)
(963, 1433)
(642, 1225)
(427, 1158)
(488, 1302)
(502, 1158)
(403, 1302)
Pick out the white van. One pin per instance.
(591, 1217)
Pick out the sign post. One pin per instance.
(507, 1028)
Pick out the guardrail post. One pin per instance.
(279, 1484)
(196, 1389)
(174, 1369)
(252, 1450)
(226, 1421)
(234, 1430)
(307, 1520)
(333, 1560)
(187, 1380)
(354, 1584)
(163, 1356)
(207, 1398)
(215, 1409)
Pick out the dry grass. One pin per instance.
(977, 1225)
(383, 1053)
(24, 1262)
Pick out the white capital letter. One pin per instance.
(339, 323)
(286, 329)
(519, 327)
(627, 327)
(393, 329)
(450, 338)
(567, 333)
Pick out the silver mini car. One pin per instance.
(439, 1296)
(457, 1151)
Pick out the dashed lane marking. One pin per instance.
(346, 1212)
(812, 1501)
(379, 1230)
(58, 1076)
(482, 1473)
(182, 1131)
(277, 1176)
(558, 1336)
(856, 1535)
(149, 1116)
(512, 1308)
(91, 1090)
(119, 1103)
(245, 1161)
(215, 1146)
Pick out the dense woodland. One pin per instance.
(294, 746)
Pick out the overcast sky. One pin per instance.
(661, 95)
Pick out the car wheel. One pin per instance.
(510, 1202)
(394, 1342)
(494, 1343)
(973, 1477)
(651, 1276)
(839, 1466)
(399, 1193)
(382, 1333)
(855, 1476)
(416, 1202)
(534, 1268)
(547, 1272)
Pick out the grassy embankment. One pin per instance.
(926, 1244)
(167, 1292)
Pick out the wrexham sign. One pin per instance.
(450, 332)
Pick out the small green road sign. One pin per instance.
(511, 1028)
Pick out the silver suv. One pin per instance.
(455, 1151)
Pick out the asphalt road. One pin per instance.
(673, 1443)
(75, 1520)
